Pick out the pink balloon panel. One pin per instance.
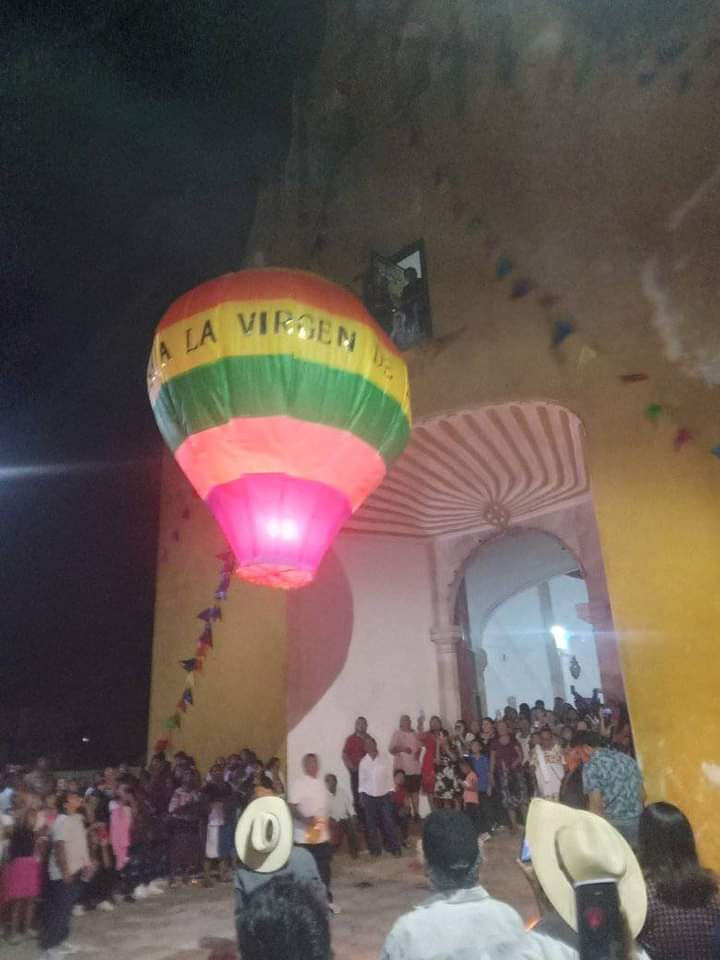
(279, 527)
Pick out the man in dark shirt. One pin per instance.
(353, 752)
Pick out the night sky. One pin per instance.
(134, 138)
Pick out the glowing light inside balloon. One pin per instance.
(284, 404)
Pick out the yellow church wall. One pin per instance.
(659, 524)
(589, 162)
(598, 178)
(240, 695)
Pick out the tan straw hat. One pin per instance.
(569, 846)
(264, 835)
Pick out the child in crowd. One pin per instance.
(69, 861)
(401, 805)
(20, 882)
(121, 817)
(342, 817)
(480, 766)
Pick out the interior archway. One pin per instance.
(519, 606)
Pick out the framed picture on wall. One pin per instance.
(398, 296)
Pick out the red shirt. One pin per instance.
(355, 749)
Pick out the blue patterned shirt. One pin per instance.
(617, 777)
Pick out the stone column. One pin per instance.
(557, 679)
(598, 614)
(446, 639)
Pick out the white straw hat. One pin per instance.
(568, 846)
(264, 835)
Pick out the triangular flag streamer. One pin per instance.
(587, 355)
(222, 588)
(561, 331)
(682, 437)
(170, 723)
(190, 664)
(206, 637)
(181, 706)
(161, 745)
(205, 615)
(188, 698)
(503, 267)
(653, 411)
(198, 664)
(215, 613)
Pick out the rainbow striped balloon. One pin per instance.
(284, 403)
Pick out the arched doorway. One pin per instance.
(520, 606)
(481, 477)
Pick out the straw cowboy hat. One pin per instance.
(569, 846)
(264, 835)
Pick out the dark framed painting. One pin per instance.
(398, 295)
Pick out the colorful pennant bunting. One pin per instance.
(503, 267)
(682, 437)
(562, 329)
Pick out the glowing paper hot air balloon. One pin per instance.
(284, 404)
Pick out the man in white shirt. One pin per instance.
(69, 859)
(342, 817)
(462, 920)
(375, 784)
(309, 801)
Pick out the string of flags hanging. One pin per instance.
(204, 643)
(564, 326)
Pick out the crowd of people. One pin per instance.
(491, 768)
(668, 905)
(68, 847)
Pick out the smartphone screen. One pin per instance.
(599, 920)
(524, 855)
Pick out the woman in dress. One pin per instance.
(428, 739)
(448, 787)
(506, 774)
(487, 734)
(462, 739)
(405, 747)
(683, 918)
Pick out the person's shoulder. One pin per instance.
(301, 863)
(537, 946)
(60, 825)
